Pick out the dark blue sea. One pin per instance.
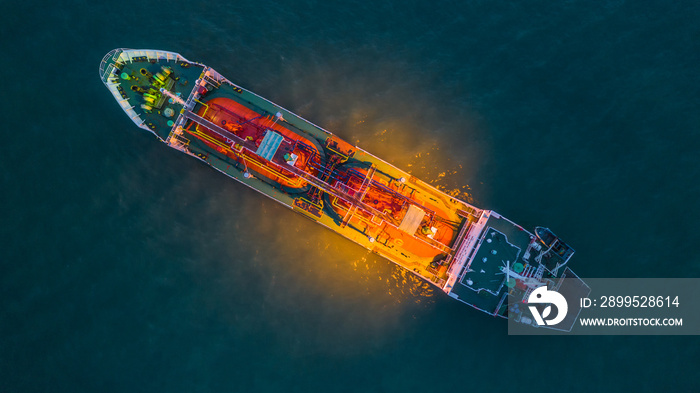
(129, 267)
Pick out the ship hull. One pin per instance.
(194, 109)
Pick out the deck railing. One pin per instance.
(107, 63)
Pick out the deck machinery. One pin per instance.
(475, 256)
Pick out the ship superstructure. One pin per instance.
(474, 255)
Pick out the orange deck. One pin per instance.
(252, 126)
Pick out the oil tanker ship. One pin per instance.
(475, 256)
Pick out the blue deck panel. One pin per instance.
(269, 145)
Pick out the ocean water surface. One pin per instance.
(127, 266)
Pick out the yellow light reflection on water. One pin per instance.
(429, 156)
